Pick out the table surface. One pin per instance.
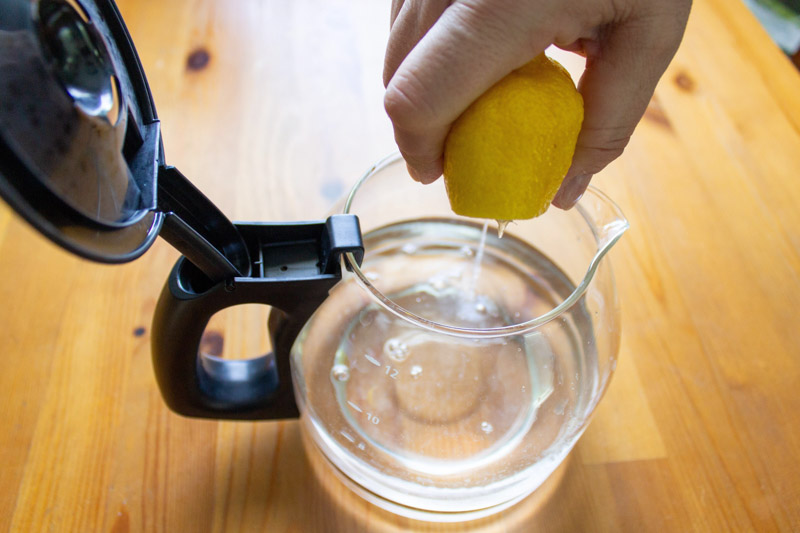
(699, 430)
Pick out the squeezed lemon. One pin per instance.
(507, 154)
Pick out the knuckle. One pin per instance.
(404, 105)
(395, 101)
(595, 156)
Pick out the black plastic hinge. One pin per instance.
(342, 234)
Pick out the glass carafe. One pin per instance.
(451, 373)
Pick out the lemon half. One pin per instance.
(507, 154)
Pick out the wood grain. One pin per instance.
(274, 109)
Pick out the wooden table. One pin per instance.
(274, 109)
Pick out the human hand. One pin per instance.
(443, 54)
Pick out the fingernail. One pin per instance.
(413, 173)
(571, 191)
(424, 176)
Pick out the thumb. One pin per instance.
(623, 67)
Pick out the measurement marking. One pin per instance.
(348, 437)
(354, 406)
(372, 359)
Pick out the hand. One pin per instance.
(443, 54)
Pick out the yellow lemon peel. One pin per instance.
(507, 154)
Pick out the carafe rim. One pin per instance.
(606, 236)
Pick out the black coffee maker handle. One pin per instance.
(295, 266)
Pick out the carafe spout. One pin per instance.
(605, 218)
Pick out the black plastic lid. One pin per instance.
(80, 145)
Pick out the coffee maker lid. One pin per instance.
(80, 145)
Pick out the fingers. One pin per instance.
(441, 56)
(395, 10)
(623, 68)
(411, 20)
(461, 56)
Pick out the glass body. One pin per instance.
(448, 376)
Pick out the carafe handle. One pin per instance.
(295, 265)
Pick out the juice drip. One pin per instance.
(501, 227)
(476, 267)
